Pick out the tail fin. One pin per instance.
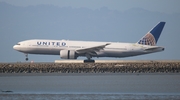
(152, 36)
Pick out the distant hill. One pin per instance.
(52, 22)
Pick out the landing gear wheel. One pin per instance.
(89, 61)
(26, 59)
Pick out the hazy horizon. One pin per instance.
(44, 20)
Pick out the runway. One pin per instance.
(101, 66)
(116, 61)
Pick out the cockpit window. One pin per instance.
(18, 44)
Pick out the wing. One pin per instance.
(90, 50)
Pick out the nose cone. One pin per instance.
(15, 47)
(18, 48)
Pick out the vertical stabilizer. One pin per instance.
(153, 35)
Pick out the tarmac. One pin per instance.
(100, 66)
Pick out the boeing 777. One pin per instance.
(68, 49)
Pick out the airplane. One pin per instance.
(68, 49)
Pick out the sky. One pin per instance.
(55, 27)
(164, 6)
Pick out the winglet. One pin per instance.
(108, 44)
(153, 35)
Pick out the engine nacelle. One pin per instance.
(68, 54)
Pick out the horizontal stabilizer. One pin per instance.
(154, 48)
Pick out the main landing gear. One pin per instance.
(26, 57)
(89, 60)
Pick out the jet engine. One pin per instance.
(68, 54)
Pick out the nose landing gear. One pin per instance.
(26, 57)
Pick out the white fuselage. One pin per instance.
(114, 49)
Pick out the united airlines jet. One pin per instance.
(68, 49)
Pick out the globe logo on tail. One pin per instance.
(148, 39)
